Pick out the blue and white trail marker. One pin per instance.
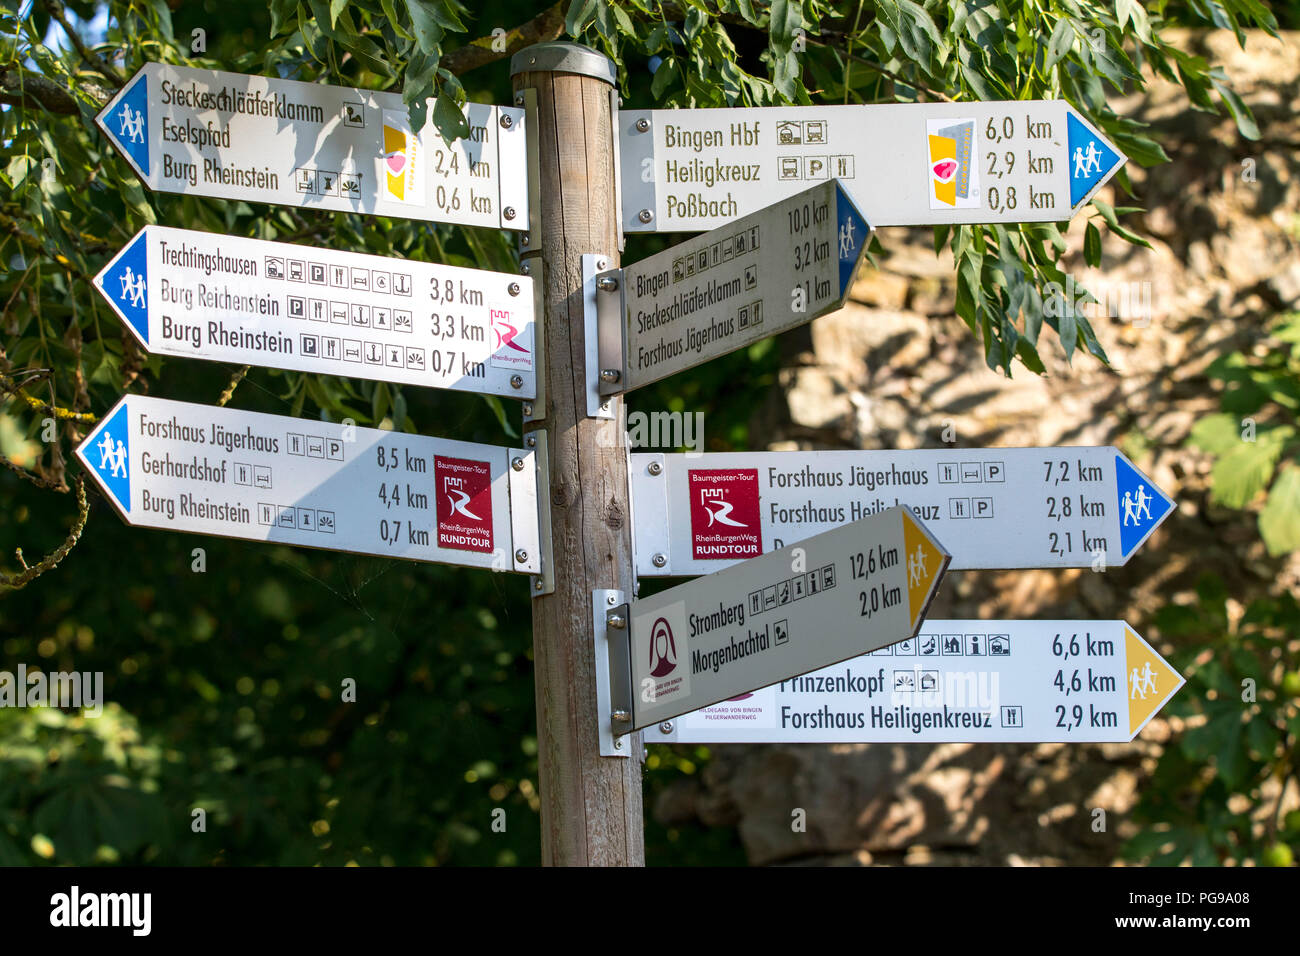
(277, 305)
(263, 139)
(1082, 507)
(764, 273)
(219, 471)
(904, 164)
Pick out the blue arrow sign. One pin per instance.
(126, 121)
(106, 453)
(1091, 158)
(1142, 506)
(124, 282)
(852, 233)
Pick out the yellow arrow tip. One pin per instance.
(1149, 681)
(924, 562)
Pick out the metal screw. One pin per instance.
(666, 727)
(538, 584)
(509, 212)
(517, 464)
(528, 409)
(607, 284)
(616, 621)
(602, 263)
(655, 468)
(660, 560)
(531, 441)
(526, 268)
(519, 99)
(516, 381)
(513, 288)
(521, 555)
(618, 743)
(645, 215)
(507, 121)
(604, 406)
(622, 716)
(523, 240)
(611, 599)
(610, 375)
(642, 125)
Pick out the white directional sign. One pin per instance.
(1085, 507)
(259, 139)
(218, 471)
(249, 301)
(957, 682)
(776, 269)
(910, 164)
(835, 596)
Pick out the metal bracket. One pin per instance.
(531, 241)
(525, 526)
(614, 101)
(647, 480)
(535, 410)
(544, 581)
(613, 672)
(600, 309)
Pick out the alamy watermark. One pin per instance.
(61, 689)
(1126, 301)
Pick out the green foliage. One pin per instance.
(1255, 440)
(1217, 793)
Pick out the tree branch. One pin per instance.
(547, 25)
(91, 60)
(51, 560)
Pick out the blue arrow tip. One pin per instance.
(106, 453)
(1091, 158)
(852, 232)
(1141, 505)
(127, 122)
(125, 283)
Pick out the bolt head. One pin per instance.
(618, 743)
(509, 212)
(516, 381)
(610, 375)
(660, 560)
(607, 284)
(521, 555)
(517, 464)
(507, 121)
(622, 716)
(611, 599)
(655, 468)
(528, 408)
(523, 240)
(526, 268)
(531, 440)
(642, 125)
(645, 215)
(513, 288)
(666, 727)
(616, 621)
(538, 584)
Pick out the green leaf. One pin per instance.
(1236, 106)
(1243, 471)
(336, 7)
(1061, 42)
(1279, 522)
(1092, 246)
(1215, 434)
(425, 25)
(498, 409)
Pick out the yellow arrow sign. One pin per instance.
(1150, 681)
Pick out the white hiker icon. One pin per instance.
(132, 124)
(1085, 161)
(1143, 502)
(133, 286)
(1136, 505)
(118, 461)
(916, 567)
(1148, 679)
(1135, 682)
(106, 451)
(847, 241)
